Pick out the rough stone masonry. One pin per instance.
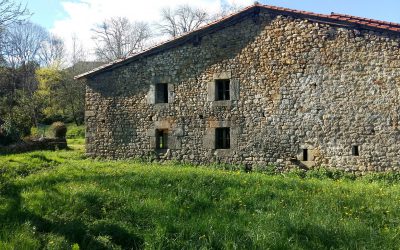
(265, 86)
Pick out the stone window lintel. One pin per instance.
(222, 75)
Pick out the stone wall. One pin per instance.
(34, 145)
(296, 84)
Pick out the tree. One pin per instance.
(118, 38)
(10, 12)
(182, 19)
(226, 9)
(78, 53)
(22, 43)
(52, 52)
(60, 95)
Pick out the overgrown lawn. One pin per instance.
(61, 200)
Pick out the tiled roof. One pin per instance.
(333, 18)
(366, 21)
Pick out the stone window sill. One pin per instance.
(224, 103)
(161, 105)
(161, 151)
(223, 152)
(308, 164)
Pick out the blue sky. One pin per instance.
(387, 10)
(46, 12)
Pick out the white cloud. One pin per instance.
(84, 14)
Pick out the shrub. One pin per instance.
(10, 133)
(59, 129)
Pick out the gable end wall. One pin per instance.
(300, 85)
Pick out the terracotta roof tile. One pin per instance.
(332, 18)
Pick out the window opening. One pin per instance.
(305, 154)
(355, 150)
(222, 89)
(161, 139)
(222, 138)
(162, 93)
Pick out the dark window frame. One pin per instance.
(222, 138)
(161, 139)
(161, 92)
(222, 89)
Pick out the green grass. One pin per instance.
(61, 200)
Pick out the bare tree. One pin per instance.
(118, 37)
(182, 19)
(52, 52)
(11, 12)
(226, 9)
(78, 53)
(22, 43)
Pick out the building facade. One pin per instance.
(264, 86)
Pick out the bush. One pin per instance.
(59, 129)
(10, 132)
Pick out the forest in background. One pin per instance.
(37, 70)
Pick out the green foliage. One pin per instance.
(17, 121)
(75, 246)
(62, 95)
(18, 105)
(50, 82)
(39, 131)
(62, 200)
(75, 132)
(9, 132)
(59, 129)
(30, 95)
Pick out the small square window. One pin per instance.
(161, 139)
(161, 93)
(355, 150)
(222, 89)
(222, 138)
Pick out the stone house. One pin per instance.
(266, 85)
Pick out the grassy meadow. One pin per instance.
(62, 200)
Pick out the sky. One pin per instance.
(67, 18)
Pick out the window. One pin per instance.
(355, 151)
(222, 90)
(162, 93)
(222, 138)
(305, 154)
(161, 139)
